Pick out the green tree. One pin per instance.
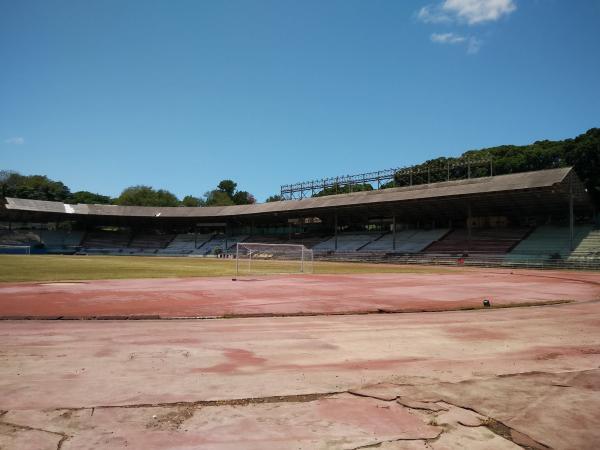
(35, 187)
(227, 186)
(243, 198)
(218, 198)
(146, 196)
(274, 198)
(89, 198)
(344, 189)
(190, 200)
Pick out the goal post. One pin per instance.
(262, 259)
(15, 249)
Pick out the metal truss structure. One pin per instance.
(455, 169)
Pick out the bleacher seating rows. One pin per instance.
(150, 241)
(486, 240)
(588, 247)
(106, 240)
(407, 241)
(309, 241)
(58, 239)
(184, 244)
(225, 243)
(347, 242)
(549, 241)
(19, 237)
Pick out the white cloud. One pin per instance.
(433, 14)
(15, 140)
(447, 38)
(473, 44)
(470, 11)
(479, 11)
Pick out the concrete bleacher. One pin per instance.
(588, 247)
(150, 241)
(19, 237)
(61, 241)
(407, 241)
(225, 243)
(309, 241)
(347, 242)
(105, 241)
(549, 242)
(185, 244)
(491, 241)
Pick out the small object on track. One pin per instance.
(487, 303)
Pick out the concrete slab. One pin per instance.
(342, 421)
(14, 437)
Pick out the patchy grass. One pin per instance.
(15, 268)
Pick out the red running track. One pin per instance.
(292, 295)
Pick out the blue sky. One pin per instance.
(179, 94)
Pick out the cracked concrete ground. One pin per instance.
(483, 379)
(292, 295)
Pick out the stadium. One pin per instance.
(299, 225)
(231, 298)
(532, 218)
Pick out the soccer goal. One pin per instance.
(15, 249)
(257, 259)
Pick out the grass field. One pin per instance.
(15, 268)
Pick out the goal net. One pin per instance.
(15, 249)
(256, 259)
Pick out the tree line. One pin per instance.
(40, 187)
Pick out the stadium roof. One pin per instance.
(545, 190)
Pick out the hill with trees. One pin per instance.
(581, 152)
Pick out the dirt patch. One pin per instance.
(171, 420)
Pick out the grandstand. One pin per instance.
(543, 216)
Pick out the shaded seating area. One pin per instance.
(588, 247)
(106, 240)
(150, 241)
(348, 242)
(482, 241)
(550, 242)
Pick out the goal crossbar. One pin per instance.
(15, 249)
(253, 258)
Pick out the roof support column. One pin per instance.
(571, 215)
(394, 232)
(469, 225)
(226, 236)
(335, 231)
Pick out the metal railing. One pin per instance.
(506, 261)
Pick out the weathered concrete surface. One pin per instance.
(289, 295)
(24, 438)
(343, 421)
(533, 370)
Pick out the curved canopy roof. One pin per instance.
(555, 181)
